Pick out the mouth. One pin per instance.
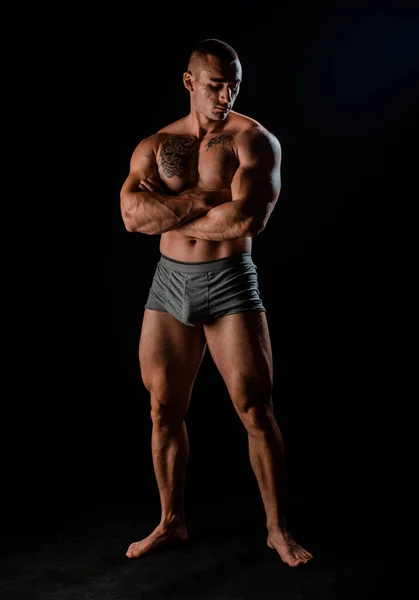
(221, 110)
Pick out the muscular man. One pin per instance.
(207, 185)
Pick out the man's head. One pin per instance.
(213, 78)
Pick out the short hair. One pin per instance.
(216, 48)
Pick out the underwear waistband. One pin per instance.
(209, 265)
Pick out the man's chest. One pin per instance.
(185, 161)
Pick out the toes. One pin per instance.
(304, 556)
(299, 557)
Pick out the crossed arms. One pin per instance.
(240, 211)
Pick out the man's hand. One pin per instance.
(151, 184)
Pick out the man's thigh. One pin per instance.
(240, 346)
(170, 352)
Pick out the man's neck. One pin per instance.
(200, 125)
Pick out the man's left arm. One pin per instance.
(254, 189)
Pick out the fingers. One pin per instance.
(147, 185)
(151, 184)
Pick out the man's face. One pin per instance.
(216, 86)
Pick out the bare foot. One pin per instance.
(288, 549)
(162, 537)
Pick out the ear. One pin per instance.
(188, 81)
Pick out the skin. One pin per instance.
(207, 185)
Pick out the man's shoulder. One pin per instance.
(152, 142)
(251, 133)
(244, 122)
(249, 128)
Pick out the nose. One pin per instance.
(226, 95)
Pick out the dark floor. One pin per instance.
(83, 557)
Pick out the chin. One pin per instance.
(216, 116)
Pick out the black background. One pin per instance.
(337, 84)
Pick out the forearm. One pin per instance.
(225, 222)
(154, 212)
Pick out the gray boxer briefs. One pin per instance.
(198, 292)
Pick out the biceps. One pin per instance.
(257, 191)
(256, 183)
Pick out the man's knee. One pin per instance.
(252, 396)
(167, 410)
(257, 417)
(253, 403)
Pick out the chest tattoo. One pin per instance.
(176, 154)
(223, 139)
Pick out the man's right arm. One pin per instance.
(155, 212)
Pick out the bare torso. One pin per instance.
(184, 161)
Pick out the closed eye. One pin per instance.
(217, 88)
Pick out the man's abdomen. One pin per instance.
(181, 247)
